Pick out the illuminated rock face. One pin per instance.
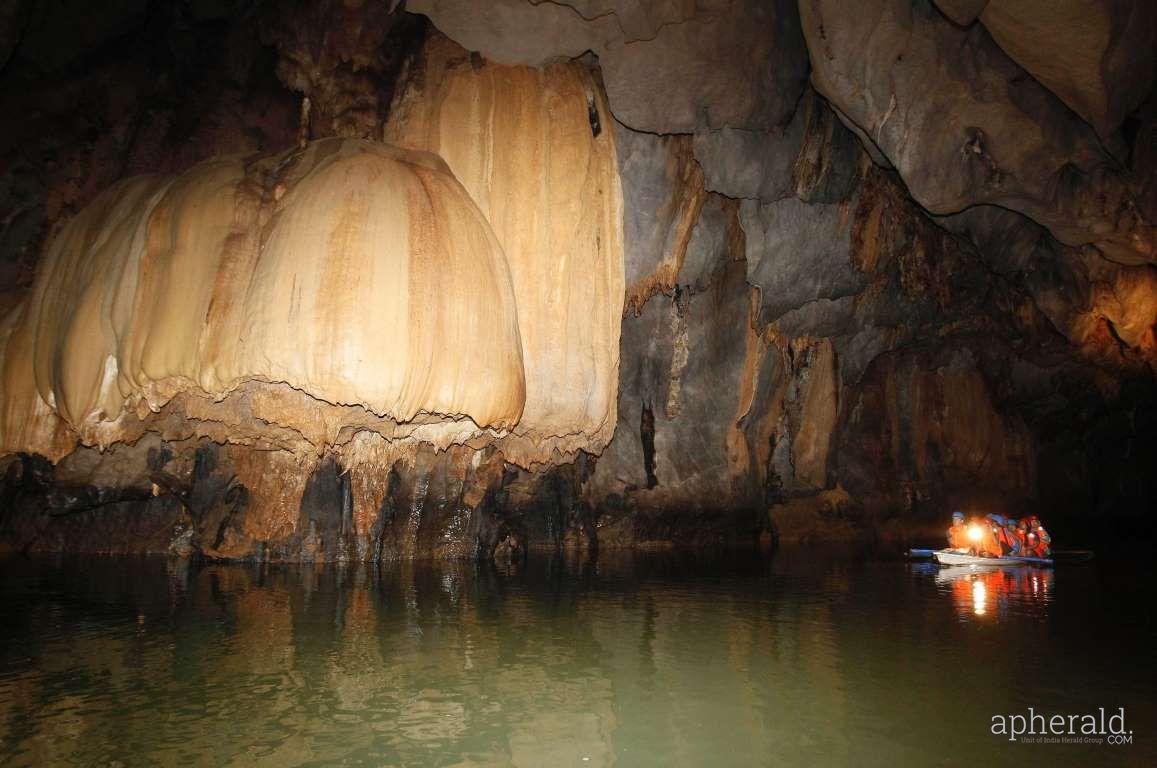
(535, 150)
(298, 298)
(295, 301)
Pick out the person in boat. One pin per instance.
(1022, 536)
(997, 523)
(1032, 546)
(981, 536)
(958, 533)
(1041, 543)
(989, 543)
(1011, 539)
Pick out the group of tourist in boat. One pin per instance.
(998, 536)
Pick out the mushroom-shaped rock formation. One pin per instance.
(286, 302)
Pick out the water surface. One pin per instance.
(801, 659)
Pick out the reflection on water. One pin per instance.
(653, 661)
(997, 592)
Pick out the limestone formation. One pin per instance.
(343, 58)
(963, 124)
(352, 285)
(669, 67)
(798, 253)
(920, 427)
(1095, 55)
(1107, 311)
(576, 274)
(663, 193)
(292, 302)
(750, 164)
(535, 150)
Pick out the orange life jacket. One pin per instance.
(958, 537)
(1043, 541)
(1007, 546)
(1011, 541)
(989, 544)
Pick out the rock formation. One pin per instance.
(531, 149)
(579, 274)
(963, 125)
(295, 300)
(271, 305)
(670, 67)
(1095, 56)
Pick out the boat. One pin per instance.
(955, 557)
(1058, 556)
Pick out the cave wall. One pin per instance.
(814, 271)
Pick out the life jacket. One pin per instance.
(1001, 538)
(958, 537)
(989, 543)
(1010, 541)
(1044, 542)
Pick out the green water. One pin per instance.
(801, 659)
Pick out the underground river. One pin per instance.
(659, 659)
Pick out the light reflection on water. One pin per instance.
(636, 661)
(997, 593)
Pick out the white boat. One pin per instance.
(958, 557)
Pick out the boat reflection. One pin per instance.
(997, 592)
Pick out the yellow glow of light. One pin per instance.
(974, 532)
(979, 597)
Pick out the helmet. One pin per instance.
(1010, 522)
(957, 515)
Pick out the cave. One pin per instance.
(484, 305)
